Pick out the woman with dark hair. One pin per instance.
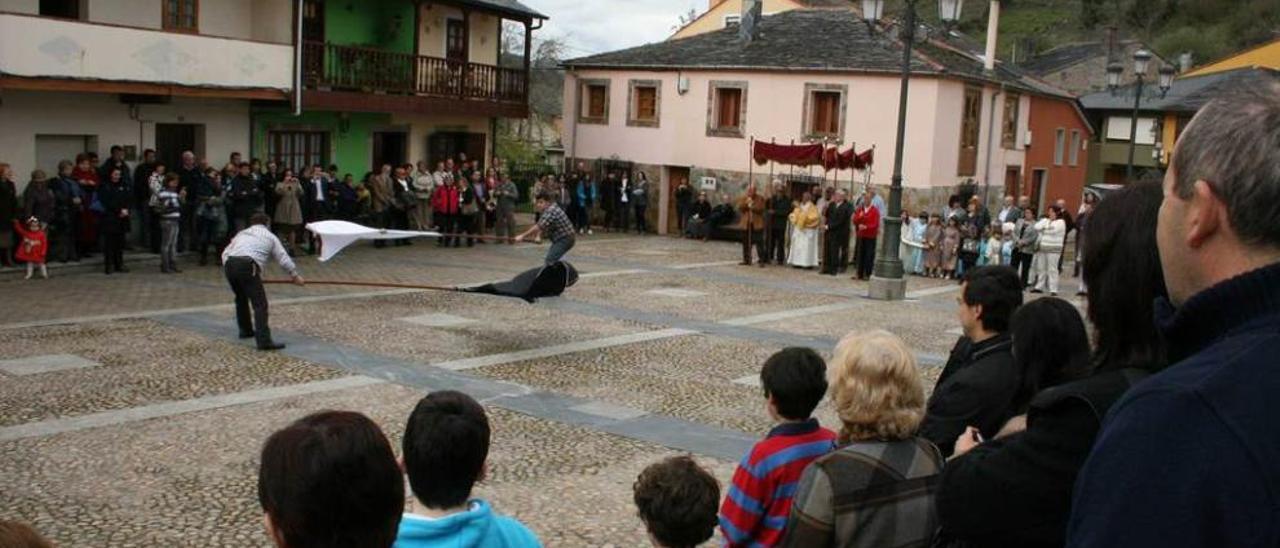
(1016, 490)
(1087, 204)
(1050, 347)
(113, 220)
(330, 480)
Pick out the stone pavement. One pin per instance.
(131, 416)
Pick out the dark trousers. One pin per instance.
(246, 281)
(112, 251)
(752, 238)
(448, 225)
(62, 243)
(468, 223)
(836, 252)
(775, 244)
(642, 220)
(623, 216)
(608, 217)
(1022, 263)
(866, 257)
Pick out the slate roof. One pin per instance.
(1186, 94)
(814, 40)
(510, 7)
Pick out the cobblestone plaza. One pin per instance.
(130, 415)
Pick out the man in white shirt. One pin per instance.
(244, 260)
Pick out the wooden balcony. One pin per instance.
(371, 80)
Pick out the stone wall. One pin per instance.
(734, 183)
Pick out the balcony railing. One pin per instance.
(351, 68)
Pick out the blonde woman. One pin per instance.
(882, 474)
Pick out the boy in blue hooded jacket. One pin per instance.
(446, 444)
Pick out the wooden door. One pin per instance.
(172, 140)
(389, 148)
(455, 44)
(676, 175)
(1012, 178)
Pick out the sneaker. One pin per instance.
(589, 231)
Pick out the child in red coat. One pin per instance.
(34, 246)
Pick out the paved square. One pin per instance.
(439, 320)
(676, 292)
(44, 364)
(131, 415)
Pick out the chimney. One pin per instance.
(749, 27)
(1184, 61)
(993, 29)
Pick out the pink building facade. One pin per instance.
(663, 116)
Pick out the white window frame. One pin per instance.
(1073, 156)
(1059, 145)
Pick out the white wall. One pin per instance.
(266, 20)
(131, 13)
(24, 114)
(273, 21)
(483, 43)
(421, 127)
(20, 6)
(43, 47)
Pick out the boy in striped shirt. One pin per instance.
(759, 499)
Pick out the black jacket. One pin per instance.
(1016, 491)
(976, 388)
(838, 217)
(779, 208)
(114, 200)
(246, 196)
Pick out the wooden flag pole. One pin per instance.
(368, 284)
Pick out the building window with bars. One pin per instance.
(643, 103)
(595, 102)
(970, 131)
(1009, 130)
(181, 15)
(297, 149)
(726, 109)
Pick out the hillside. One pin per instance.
(1209, 29)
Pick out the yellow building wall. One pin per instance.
(484, 33)
(713, 19)
(1266, 55)
(1168, 137)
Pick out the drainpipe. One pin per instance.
(991, 133)
(993, 28)
(577, 107)
(297, 61)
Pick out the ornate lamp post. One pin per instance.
(1141, 62)
(887, 280)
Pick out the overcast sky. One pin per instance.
(595, 26)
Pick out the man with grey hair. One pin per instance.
(1189, 456)
(836, 221)
(1010, 212)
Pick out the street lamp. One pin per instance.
(1141, 62)
(887, 280)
